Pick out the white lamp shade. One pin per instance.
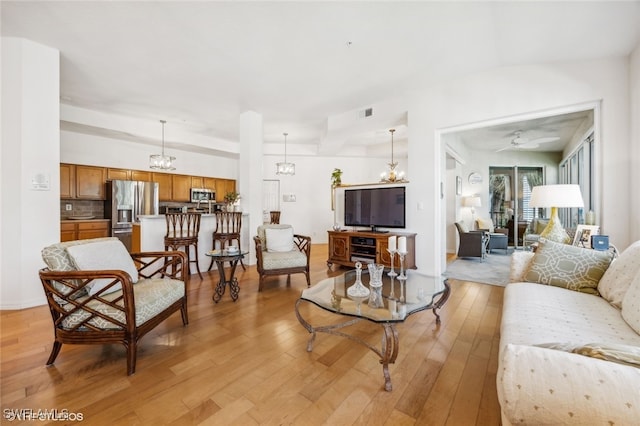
(561, 195)
(471, 201)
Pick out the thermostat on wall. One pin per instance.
(40, 182)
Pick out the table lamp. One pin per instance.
(555, 196)
(473, 202)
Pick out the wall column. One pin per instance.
(30, 172)
(250, 175)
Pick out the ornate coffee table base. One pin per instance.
(232, 281)
(388, 351)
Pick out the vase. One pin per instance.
(358, 292)
(375, 284)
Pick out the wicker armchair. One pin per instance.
(290, 257)
(111, 304)
(472, 243)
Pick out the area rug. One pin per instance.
(494, 269)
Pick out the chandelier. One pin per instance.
(285, 168)
(391, 175)
(161, 162)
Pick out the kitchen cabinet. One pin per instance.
(68, 232)
(346, 248)
(223, 186)
(123, 174)
(82, 182)
(209, 183)
(118, 174)
(165, 184)
(67, 181)
(197, 182)
(90, 182)
(139, 175)
(181, 188)
(82, 230)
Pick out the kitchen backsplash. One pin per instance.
(82, 208)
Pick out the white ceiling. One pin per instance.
(307, 67)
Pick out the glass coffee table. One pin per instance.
(418, 293)
(220, 257)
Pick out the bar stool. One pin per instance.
(182, 232)
(275, 217)
(228, 225)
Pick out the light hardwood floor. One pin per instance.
(246, 363)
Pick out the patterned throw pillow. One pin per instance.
(573, 268)
(617, 279)
(540, 225)
(57, 259)
(631, 304)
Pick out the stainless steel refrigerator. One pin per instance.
(126, 200)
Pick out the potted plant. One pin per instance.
(230, 199)
(336, 177)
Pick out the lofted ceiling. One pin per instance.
(310, 68)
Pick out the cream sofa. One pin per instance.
(567, 356)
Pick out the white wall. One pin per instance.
(29, 218)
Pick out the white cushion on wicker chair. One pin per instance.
(279, 240)
(103, 255)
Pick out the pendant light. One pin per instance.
(285, 168)
(391, 176)
(161, 162)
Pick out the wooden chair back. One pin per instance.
(182, 225)
(228, 222)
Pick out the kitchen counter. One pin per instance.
(149, 232)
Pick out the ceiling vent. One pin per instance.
(365, 113)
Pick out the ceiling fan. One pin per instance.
(519, 142)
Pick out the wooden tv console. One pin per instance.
(348, 247)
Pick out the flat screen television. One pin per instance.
(375, 207)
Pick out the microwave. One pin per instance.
(202, 195)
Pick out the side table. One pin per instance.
(220, 257)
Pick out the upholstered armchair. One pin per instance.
(472, 243)
(497, 240)
(279, 251)
(99, 293)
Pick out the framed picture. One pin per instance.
(583, 235)
(458, 185)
